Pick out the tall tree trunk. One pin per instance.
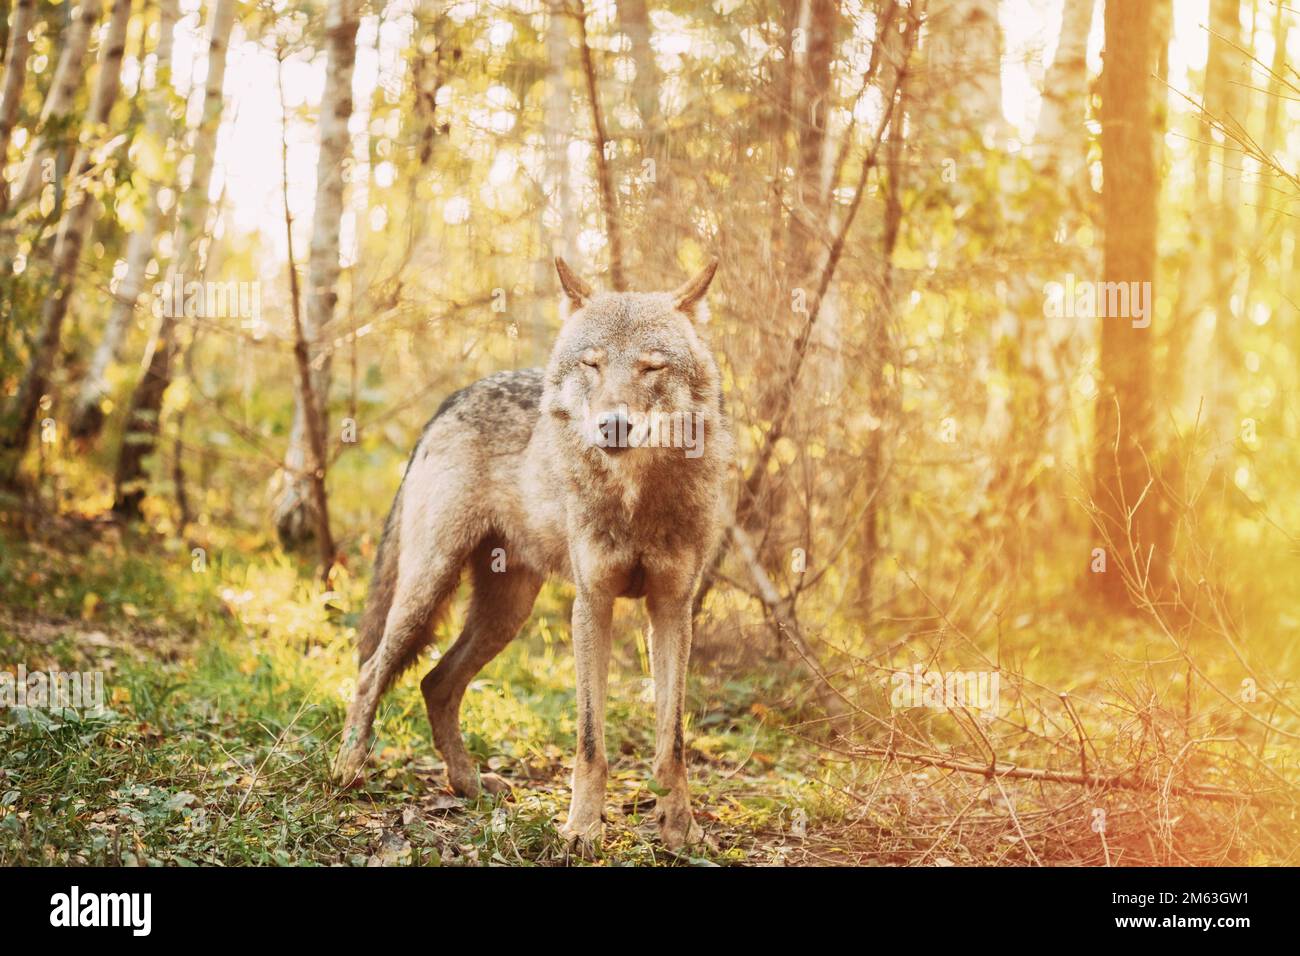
(143, 413)
(604, 178)
(1225, 260)
(1126, 429)
(634, 18)
(811, 102)
(879, 349)
(73, 225)
(776, 127)
(805, 216)
(654, 239)
(972, 45)
(56, 113)
(557, 180)
(426, 78)
(970, 37)
(1268, 224)
(1060, 141)
(4, 31)
(431, 58)
(1209, 264)
(293, 516)
(87, 416)
(1037, 365)
(315, 463)
(16, 49)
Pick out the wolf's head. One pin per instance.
(631, 370)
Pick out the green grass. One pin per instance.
(226, 689)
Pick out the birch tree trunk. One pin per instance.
(56, 114)
(1038, 365)
(292, 513)
(87, 417)
(16, 50)
(73, 226)
(968, 45)
(973, 46)
(142, 422)
(1209, 264)
(1060, 142)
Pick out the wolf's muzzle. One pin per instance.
(612, 429)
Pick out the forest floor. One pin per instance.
(226, 673)
(225, 682)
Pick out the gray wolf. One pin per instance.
(573, 472)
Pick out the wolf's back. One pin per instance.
(501, 409)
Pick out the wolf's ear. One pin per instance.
(577, 291)
(689, 298)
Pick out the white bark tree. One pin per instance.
(292, 509)
(972, 38)
(73, 226)
(15, 77)
(1060, 143)
(87, 417)
(143, 415)
(57, 112)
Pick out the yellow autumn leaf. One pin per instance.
(786, 451)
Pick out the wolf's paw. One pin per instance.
(678, 829)
(585, 841)
(494, 784)
(470, 784)
(346, 771)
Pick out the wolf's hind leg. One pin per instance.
(424, 586)
(500, 605)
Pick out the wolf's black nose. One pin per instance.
(612, 431)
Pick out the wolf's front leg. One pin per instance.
(592, 616)
(670, 651)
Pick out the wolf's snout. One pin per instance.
(611, 432)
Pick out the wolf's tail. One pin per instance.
(382, 584)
